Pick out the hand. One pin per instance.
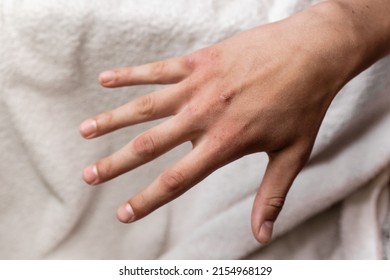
(264, 90)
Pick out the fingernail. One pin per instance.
(125, 213)
(90, 174)
(265, 234)
(107, 76)
(88, 128)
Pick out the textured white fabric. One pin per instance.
(363, 214)
(51, 53)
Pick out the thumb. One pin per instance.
(281, 171)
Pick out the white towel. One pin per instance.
(51, 53)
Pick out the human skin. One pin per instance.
(263, 90)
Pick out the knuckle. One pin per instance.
(275, 202)
(158, 69)
(214, 54)
(172, 181)
(146, 106)
(189, 62)
(209, 55)
(144, 146)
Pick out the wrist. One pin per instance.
(328, 43)
(363, 27)
(342, 39)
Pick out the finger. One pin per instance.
(173, 182)
(144, 148)
(155, 105)
(278, 178)
(162, 72)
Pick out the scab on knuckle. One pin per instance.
(172, 181)
(144, 146)
(226, 97)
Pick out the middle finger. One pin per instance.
(144, 148)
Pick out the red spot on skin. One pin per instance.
(226, 98)
(189, 63)
(213, 55)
